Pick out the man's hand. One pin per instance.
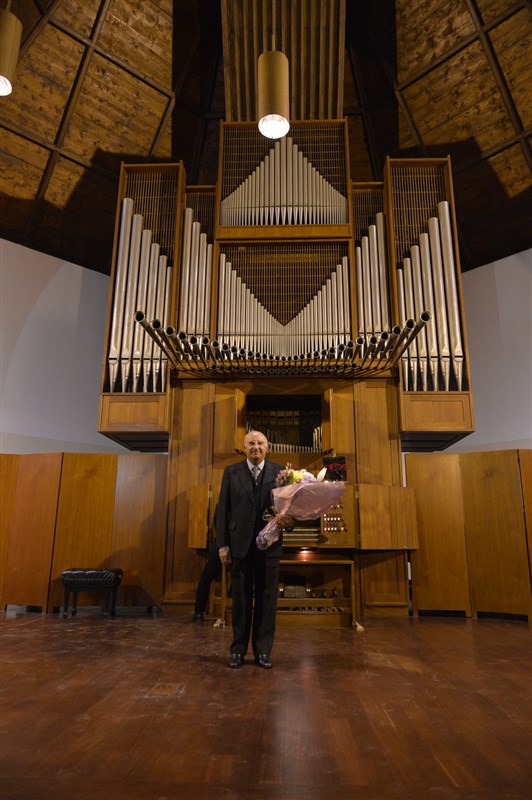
(284, 521)
(225, 555)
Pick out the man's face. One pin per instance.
(255, 446)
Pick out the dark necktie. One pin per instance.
(255, 472)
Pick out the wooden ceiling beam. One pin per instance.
(500, 80)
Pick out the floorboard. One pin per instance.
(145, 707)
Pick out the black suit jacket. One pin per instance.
(237, 521)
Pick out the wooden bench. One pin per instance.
(88, 579)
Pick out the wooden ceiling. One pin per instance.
(105, 81)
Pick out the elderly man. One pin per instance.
(245, 494)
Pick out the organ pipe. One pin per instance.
(115, 336)
(285, 188)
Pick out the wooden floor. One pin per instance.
(144, 708)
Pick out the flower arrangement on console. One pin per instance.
(334, 471)
(299, 495)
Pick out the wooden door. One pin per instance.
(440, 577)
(84, 516)
(495, 533)
(31, 530)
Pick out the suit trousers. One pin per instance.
(254, 577)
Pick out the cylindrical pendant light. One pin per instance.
(10, 36)
(273, 94)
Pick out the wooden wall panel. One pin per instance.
(229, 403)
(31, 532)
(8, 483)
(342, 426)
(495, 532)
(139, 528)
(84, 516)
(525, 464)
(403, 512)
(384, 583)
(378, 447)
(386, 518)
(378, 460)
(198, 515)
(440, 578)
(375, 521)
(190, 464)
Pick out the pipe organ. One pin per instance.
(291, 285)
(381, 295)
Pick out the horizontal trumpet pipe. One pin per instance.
(402, 345)
(152, 331)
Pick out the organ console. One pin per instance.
(288, 275)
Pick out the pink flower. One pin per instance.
(306, 499)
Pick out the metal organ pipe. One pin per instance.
(428, 296)
(159, 364)
(453, 311)
(285, 188)
(374, 279)
(439, 297)
(115, 336)
(130, 301)
(383, 272)
(410, 314)
(185, 267)
(147, 351)
(142, 292)
(419, 306)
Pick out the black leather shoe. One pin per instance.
(236, 660)
(263, 661)
(197, 617)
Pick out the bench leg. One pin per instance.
(113, 600)
(74, 603)
(107, 601)
(65, 603)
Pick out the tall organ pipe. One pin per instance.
(368, 289)
(428, 296)
(410, 314)
(159, 363)
(383, 272)
(185, 267)
(449, 272)
(117, 318)
(439, 296)
(419, 307)
(193, 281)
(403, 319)
(147, 353)
(138, 334)
(130, 300)
(375, 279)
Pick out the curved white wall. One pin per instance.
(52, 328)
(498, 306)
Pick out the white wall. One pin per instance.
(52, 328)
(498, 307)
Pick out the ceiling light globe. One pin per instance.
(273, 126)
(6, 87)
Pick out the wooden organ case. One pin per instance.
(326, 313)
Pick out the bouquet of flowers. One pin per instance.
(299, 495)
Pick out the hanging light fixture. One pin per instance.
(10, 36)
(273, 91)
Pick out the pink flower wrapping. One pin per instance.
(300, 501)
